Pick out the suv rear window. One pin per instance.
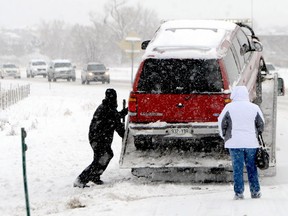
(180, 76)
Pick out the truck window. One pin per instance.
(180, 76)
(242, 38)
(239, 57)
(231, 67)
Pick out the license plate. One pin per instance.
(179, 131)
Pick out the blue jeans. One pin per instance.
(239, 157)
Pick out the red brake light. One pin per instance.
(132, 104)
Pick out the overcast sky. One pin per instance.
(21, 13)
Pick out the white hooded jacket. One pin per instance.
(240, 121)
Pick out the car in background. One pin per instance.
(61, 69)
(36, 67)
(271, 69)
(95, 72)
(9, 70)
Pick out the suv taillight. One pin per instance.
(227, 100)
(132, 105)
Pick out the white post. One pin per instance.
(252, 8)
(132, 40)
(132, 60)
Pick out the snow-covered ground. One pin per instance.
(56, 118)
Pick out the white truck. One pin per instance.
(61, 69)
(36, 67)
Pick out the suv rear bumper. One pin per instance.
(186, 136)
(175, 130)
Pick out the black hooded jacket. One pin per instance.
(105, 120)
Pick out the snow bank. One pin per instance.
(57, 121)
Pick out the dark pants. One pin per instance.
(102, 156)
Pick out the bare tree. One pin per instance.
(96, 42)
(15, 43)
(54, 36)
(80, 50)
(120, 19)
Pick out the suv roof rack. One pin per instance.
(246, 21)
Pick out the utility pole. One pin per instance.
(252, 8)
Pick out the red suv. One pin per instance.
(185, 80)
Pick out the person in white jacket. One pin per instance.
(240, 123)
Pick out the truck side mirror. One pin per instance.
(258, 46)
(281, 87)
(144, 44)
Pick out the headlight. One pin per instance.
(106, 73)
(90, 74)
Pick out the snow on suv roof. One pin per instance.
(190, 39)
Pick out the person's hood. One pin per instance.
(110, 98)
(240, 93)
(111, 94)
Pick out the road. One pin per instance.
(120, 78)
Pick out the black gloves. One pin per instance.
(123, 112)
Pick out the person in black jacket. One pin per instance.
(105, 121)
